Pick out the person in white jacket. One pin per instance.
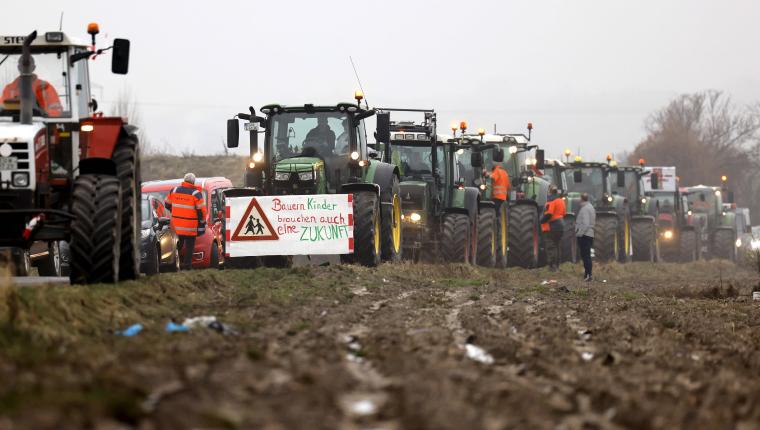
(584, 232)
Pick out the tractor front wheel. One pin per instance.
(96, 229)
(724, 244)
(391, 224)
(523, 236)
(126, 156)
(606, 239)
(455, 238)
(486, 255)
(644, 241)
(569, 242)
(688, 250)
(367, 228)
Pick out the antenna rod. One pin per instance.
(60, 23)
(366, 104)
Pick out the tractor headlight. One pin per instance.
(609, 199)
(739, 242)
(306, 176)
(145, 233)
(513, 150)
(415, 217)
(354, 155)
(257, 157)
(643, 201)
(483, 187)
(281, 176)
(21, 179)
(668, 234)
(689, 213)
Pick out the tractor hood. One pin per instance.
(298, 164)
(16, 132)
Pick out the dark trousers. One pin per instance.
(552, 241)
(585, 244)
(187, 242)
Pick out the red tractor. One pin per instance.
(68, 175)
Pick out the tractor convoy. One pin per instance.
(71, 203)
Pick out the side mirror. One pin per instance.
(120, 56)
(373, 154)
(620, 179)
(498, 155)
(730, 197)
(540, 160)
(654, 181)
(233, 133)
(163, 221)
(476, 159)
(383, 133)
(577, 176)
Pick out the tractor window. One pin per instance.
(50, 84)
(631, 188)
(416, 160)
(321, 134)
(592, 181)
(702, 200)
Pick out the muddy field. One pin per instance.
(399, 347)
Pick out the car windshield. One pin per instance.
(701, 200)
(49, 84)
(416, 160)
(321, 134)
(592, 181)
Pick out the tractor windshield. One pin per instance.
(663, 202)
(320, 134)
(591, 181)
(416, 161)
(625, 183)
(49, 84)
(703, 200)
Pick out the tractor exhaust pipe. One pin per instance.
(26, 67)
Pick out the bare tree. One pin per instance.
(705, 135)
(126, 107)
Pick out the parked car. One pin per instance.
(159, 251)
(209, 247)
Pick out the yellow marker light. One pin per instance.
(578, 159)
(87, 128)
(613, 163)
(358, 95)
(513, 150)
(454, 126)
(724, 178)
(668, 234)
(609, 157)
(482, 132)
(257, 157)
(251, 165)
(568, 152)
(354, 155)
(415, 217)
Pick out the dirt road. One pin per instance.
(399, 347)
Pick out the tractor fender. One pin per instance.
(98, 166)
(360, 186)
(383, 176)
(472, 202)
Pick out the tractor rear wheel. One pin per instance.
(455, 238)
(96, 229)
(367, 228)
(486, 255)
(127, 158)
(688, 246)
(724, 244)
(606, 239)
(569, 244)
(391, 220)
(644, 241)
(523, 236)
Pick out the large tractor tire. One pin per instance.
(51, 264)
(391, 224)
(96, 230)
(455, 238)
(688, 250)
(126, 156)
(487, 238)
(523, 236)
(644, 240)
(606, 239)
(569, 244)
(502, 235)
(367, 229)
(724, 244)
(625, 245)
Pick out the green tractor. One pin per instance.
(313, 149)
(715, 225)
(678, 239)
(627, 181)
(612, 231)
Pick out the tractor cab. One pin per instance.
(591, 178)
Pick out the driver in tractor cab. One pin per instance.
(343, 139)
(45, 94)
(321, 137)
(415, 164)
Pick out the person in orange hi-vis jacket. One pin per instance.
(553, 226)
(45, 94)
(188, 210)
(500, 185)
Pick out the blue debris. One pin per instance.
(130, 331)
(172, 327)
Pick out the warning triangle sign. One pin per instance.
(254, 225)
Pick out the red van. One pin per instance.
(208, 246)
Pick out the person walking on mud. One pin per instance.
(188, 210)
(553, 226)
(584, 231)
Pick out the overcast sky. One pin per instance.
(587, 73)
